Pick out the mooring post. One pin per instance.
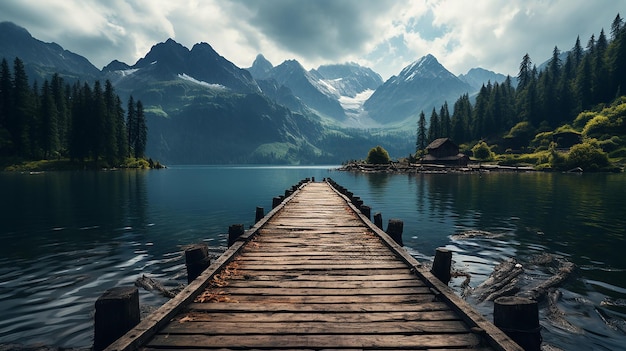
(518, 317)
(366, 211)
(394, 230)
(276, 201)
(196, 260)
(234, 232)
(260, 213)
(117, 312)
(378, 220)
(288, 192)
(442, 264)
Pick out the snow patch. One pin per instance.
(128, 72)
(199, 82)
(354, 105)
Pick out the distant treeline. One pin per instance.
(59, 120)
(543, 100)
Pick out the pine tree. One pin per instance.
(131, 125)
(49, 122)
(524, 75)
(584, 84)
(601, 77)
(577, 53)
(122, 133)
(6, 107)
(21, 118)
(142, 132)
(446, 123)
(479, 114)
(420, 144)
(97, 123)
(616, 27)
(111, 126)
(461, 116)
(60, 94)
(434, 126)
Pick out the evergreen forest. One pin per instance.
(78, 122)
(582, 94)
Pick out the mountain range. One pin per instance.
(202, 108)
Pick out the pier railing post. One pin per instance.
(366, 211)
(394, 230)
(378, 220)
(196, 260)
(234, 232)
(260, 213)
(276, 201)
(518, 317)
(442, 264)
(117, 312)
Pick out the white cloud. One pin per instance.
(384, 35)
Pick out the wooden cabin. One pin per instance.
(444, 151)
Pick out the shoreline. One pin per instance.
(417, 168)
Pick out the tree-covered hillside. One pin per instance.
(520, 119)
(58, 120)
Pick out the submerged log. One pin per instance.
(502, 281)
(150, 284)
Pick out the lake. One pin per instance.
(66, 237)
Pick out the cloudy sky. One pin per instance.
(385, 35)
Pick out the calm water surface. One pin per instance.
(68, 236)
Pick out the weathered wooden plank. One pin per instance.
(244, 327)
(228, 290)
(320, 307)
(317, 341)
(317, 299)
(323, 316)
(341, 285)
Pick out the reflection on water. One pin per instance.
(68, 236)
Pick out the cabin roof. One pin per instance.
(437, 143)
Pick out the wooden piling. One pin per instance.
(234, 232)
(117, 311)
(366, 211)
(518, 317)
(260, 213)
(378, 220)
(276, 201)
(394, 230)
(442, 265)
(196, 260)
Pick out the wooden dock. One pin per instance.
(315, 274)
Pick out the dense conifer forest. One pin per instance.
(56, 120)
(582, 94)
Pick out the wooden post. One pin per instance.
(260, 213)
(117, 312)
(288, 192)
(366, 211)
(234, 232)
(442, 264)
(394, 229)
(313, 179)
(518, 318)
(378, 220)
(276, 201)
(196, 260)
